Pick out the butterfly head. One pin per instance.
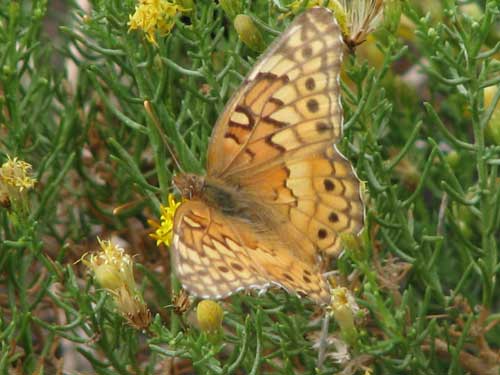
(189, 185)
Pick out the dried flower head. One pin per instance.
(154, 17)
(181, 302)
(363, 17)
(132, 308)
(114, 271)
(337, 349)
(356, 18)
(163, 232)
(4, 199)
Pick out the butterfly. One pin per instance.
(277, 193)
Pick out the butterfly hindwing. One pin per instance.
(319, 195)
(214, 257)
(206, 258)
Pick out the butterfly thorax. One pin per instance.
(220, 195)
(214, 193)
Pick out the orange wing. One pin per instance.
(288, 106)
(319, 194)
(215, 257)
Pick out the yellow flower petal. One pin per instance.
(154, 17)
(163, 233)
(16, 174)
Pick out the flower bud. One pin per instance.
(343, 308)
(231, 7)
(453, 159)
(248, 32)
(209, 315)
(114, 270)
(108, 276)
(493, 127)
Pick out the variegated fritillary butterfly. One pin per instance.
(277, 193)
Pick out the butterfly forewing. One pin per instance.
(289, 100)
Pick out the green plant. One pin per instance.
(423, 272)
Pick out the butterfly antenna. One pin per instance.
(130, 205)
(126, 206)
(149, 111)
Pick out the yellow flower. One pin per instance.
(112, 266)
(163, 232)
(154, 16)
(343, 308)
(209, 315)
(16, 174)
(15, 180)
(114, 271)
